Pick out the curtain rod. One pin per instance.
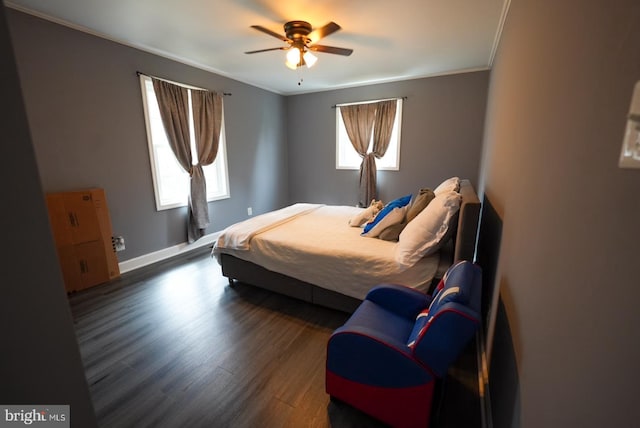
(139, 73)
(368, 102)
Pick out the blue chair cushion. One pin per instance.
(385, 323)
(451, 294)
(447, 291)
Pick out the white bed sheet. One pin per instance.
(320, 247)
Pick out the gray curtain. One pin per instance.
(358, 122)
(207, 121)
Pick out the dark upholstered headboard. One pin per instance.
(468, 217)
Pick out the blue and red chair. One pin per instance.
(386, 358)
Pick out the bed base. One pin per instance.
(464, 244)
(250, 273)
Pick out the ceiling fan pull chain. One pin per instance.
(300, 79)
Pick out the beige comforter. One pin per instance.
(314, 243)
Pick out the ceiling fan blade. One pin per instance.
(269, 49)
(331, 50)
(321, 32)
(271, 33)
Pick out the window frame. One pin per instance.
(219, 168)
(345, 144)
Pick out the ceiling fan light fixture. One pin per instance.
(293, 58)
(309, 59)
(302, 39)
(297, 57)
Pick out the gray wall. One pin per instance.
(442, 127)
(568, 268)
(39, 358)
(85, 112)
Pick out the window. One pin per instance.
(170, 181)
(348, 158)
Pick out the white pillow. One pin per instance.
(423, 235)
(395, 216)
(448, 185)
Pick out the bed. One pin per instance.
(309, 252)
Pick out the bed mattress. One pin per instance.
(315, 244)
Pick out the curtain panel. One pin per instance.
(361, 121)
(173, 102)
(358, 122)
(207, 122)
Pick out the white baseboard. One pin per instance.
(157, 256)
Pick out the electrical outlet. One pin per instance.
(249, 211)
(118, 243)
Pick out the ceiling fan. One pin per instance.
(300, 36)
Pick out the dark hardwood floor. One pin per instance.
(174, 345)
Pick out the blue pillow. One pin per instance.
(396, 203)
